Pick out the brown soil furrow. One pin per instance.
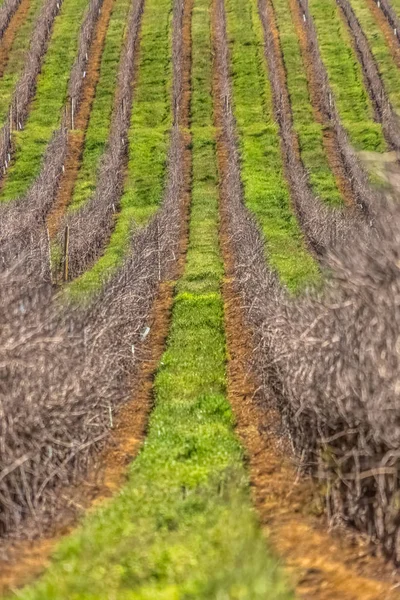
(76, 138)
(8, 38)
(330, 141)
(321, 566)
(27, 560)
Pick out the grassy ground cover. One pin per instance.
(183, 526)
(265, 187)
(396, 5)
(308, 130)
(380, 50)
(148, 140)
(50, 97)
(16, 59)
(345, 76)
(99, 123)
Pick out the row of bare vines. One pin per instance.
(384, 111)
(65, 369)
(390, 15)
(22, 220)
(323, 227)
(355, 175)
(91, 227)
(26, 85)
(7, 11)
(78, 72)
(329, 362)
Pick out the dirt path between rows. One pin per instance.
(8, 38)
(76, 138)
(27, 560)
(329, 139)
(321, 566)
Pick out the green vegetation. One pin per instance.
(100, 116)
(148, 141)
(345, 76)
(396, 6)
(380, 50)
(308, 130)
(186, 506)
(265, 187)
(16, 59)
(50, 97)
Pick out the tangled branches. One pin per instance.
(65, 371)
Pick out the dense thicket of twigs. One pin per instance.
(330, 362)
(337, 361)
(64, 370)
(22, 222)
(383, 109)
(26, 85)
(355, 174)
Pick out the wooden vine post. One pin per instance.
(66, 251)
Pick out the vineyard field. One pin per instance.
(199, 299)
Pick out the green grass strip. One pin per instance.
(387, 67)
(396, 6)
(308, 130)
(51, 93)
(100, 116)
(183, 526)
(345, 77)
(16, 60)
(265, 188)
(148, 142)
